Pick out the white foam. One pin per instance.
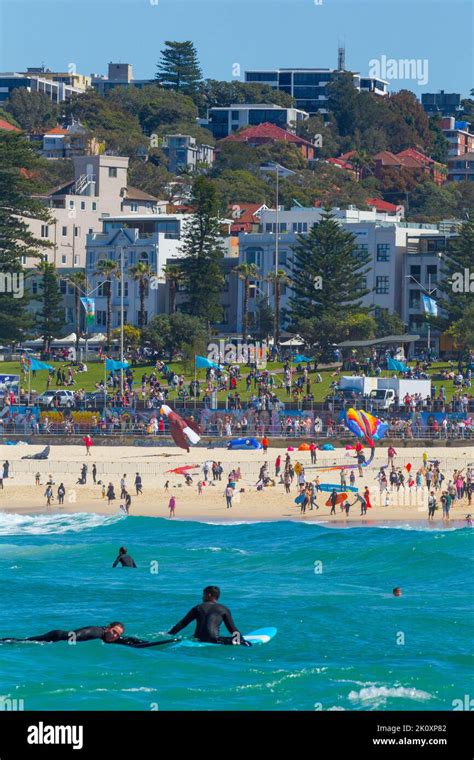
(12, 524)
(380, 693)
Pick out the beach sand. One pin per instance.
(20, 494)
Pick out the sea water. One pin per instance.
(344, 641)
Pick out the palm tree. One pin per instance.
(173, 275)
(278, 279)
(246, 273)
(107, 268)
(141, 273)
(78, 281)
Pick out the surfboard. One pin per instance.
(331, 486)
(260, 636)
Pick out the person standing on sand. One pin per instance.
(37, 479)
(277, 465)
(123, 486)
(229, 493)
(87, 443)
(138, 483)
(110, 493)
(343, 478)
(94, 473)
(363, 506)
(312, 451)
(6, 469)
(128, 502)
(333, 500)
(61, 493)
(172, 505)
(199, 487)
(431, 505)
(367, 497)
(287, 481)
(391, 453)
(49, 495)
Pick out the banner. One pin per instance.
(113, 365)
(36, 365)
(89, 306)
(431, 307)
(203, 363)
(396, 366)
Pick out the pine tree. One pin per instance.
(203, 253)
(455, 297)
(328, 271)
(18, 164)
(50, 317)
(179, 67)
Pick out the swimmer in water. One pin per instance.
(208, 616)
(109, 634)
(397, 591)
(124, 558)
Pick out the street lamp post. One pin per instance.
(122, 288)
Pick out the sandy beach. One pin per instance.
(20, 494)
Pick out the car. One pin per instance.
(66, 398)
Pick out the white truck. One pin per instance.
(383, 390)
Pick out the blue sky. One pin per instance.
(249, 33)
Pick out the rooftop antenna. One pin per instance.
(341, 57)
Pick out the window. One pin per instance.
(112, 171)
(300, 227)
(414, 299)
(83, 205)
(72, 204)
(119, 289)
(101, 318)
(383, 251)
(77, 231)
(431, 274)
(76, 260)
(64, 232)
(68, 315)
(144, 257)
(415, 271)
(34, 287)
(382, 285)
(101, 290)
(254, 256)
(361, 248)
(94, 206)
(134, 207)
(234, 115)
(63, 258)
(44, 231)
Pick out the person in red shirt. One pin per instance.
(161, 426)
(265, 443)
(277, 466)
(312, 448)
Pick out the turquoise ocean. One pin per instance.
(343, 642)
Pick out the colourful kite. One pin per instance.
(183, 430)
(366, 427)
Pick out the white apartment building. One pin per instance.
(99, 189)
(153, 240)
(383, 236)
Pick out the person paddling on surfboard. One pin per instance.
(109, 634)
(209, 616)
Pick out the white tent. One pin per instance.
(296, 341)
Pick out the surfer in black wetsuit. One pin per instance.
(124, 558)
(208, 616)
(109, 634)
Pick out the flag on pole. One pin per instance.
(35, 365)
(112, 365)
(396, 366)
(430, 306)
(202, 363)
(89, 306)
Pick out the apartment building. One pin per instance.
(222, 121)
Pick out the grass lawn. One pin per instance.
(95, 374)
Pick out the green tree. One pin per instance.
(78, 281)
(462, 331)
(158, 110)
(50, 317)
(264, 319)
(246, 273)
(173, 275)
(108, 121)
(132, 336)
(170, 334)
(343, 103)
(18, 168)
(277, 279)
(141, 273)
(179, 67)
(202, 254)
(388, 323)
(33, 111)
(108, 269)
(328, 274)
(242, 187)
(454, 299)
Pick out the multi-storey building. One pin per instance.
(222, 121)
(57, 91)
(184, 153)
(441, 103)
(381, 235)
(309, 87)
(119, 75)
(461, 168)
(457, 133)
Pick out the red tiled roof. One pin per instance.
(267, 131)
(56, 131)
(8, 127)
(247, 212)
(387, 158)
(416, 156)
(381, 205)
(348, 155)
(340, 162)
